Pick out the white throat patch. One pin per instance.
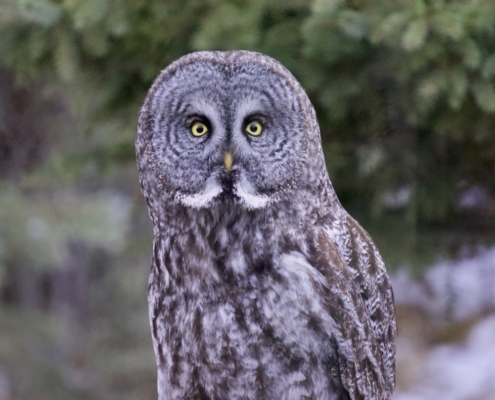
(246, 192)
(204, 198)
(213, 188)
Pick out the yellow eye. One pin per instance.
(199, 129)
(254, 128)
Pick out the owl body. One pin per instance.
(262, 286)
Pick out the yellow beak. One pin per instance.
(227, 161)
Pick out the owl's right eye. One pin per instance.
(199, 129)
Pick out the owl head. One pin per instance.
(225, 126)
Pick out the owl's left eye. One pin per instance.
(254, 128)
(199, 129)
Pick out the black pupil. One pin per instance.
(252, 128)
(199, 129)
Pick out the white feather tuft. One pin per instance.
(202, 199)
(247, 193)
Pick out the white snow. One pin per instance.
(455, 371)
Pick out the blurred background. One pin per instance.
(405, 96)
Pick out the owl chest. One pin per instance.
(243, 335)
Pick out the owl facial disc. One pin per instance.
(224, 132)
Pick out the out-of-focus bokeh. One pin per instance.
(405, 95)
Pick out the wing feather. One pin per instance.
(360, 300)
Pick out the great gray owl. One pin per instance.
(262, 286)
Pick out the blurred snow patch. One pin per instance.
(461, 371)
(474, 197)
(452, 294)
(398, 199)
(36, 227)
(458, 289)
(5, 391)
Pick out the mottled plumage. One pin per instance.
(262, 286)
